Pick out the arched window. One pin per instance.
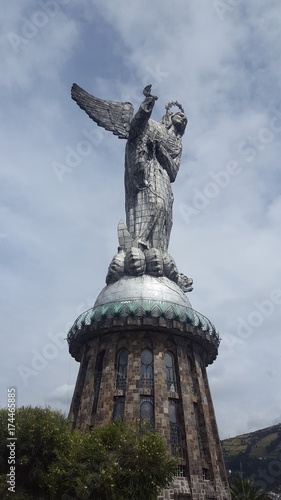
(146, 375)
(119, 408)
(175, 429)
(171, 379)
(121, 376)
(97, 380)
(147, 409)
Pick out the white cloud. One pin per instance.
(61, 236)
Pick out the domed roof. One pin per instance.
(148, 301)
(141, 288)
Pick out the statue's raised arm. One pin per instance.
(152, 161)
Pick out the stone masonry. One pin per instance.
(201, 474)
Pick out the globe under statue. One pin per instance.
(152, 160)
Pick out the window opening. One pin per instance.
(122, 362)
(175, 429)
(181, 471)
(147, 409)
(205, 474)
(169, 361)
(119, 408)
(146, 375)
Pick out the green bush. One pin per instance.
(39, 432)
(111, 462)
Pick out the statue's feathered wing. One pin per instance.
(113, 116)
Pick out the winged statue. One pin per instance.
(152, 160)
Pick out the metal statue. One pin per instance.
(152, 161)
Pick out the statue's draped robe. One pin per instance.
(152, 161)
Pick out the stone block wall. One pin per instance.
(200, 459)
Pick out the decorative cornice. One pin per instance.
(100, 317)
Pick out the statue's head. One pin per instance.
(177, 119)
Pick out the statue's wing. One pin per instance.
(113, 116)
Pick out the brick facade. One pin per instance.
(197, 442)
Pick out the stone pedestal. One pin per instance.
(143, 353)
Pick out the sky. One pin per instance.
(62, 192)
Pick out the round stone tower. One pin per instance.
(143, 353)
(143, 350)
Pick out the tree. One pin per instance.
(112, 462)
(39, 432)
(244, 489)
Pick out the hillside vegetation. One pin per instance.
(257, 455)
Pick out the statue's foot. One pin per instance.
(154, 262)
(185, 283)
(116, 268)
(135, 262)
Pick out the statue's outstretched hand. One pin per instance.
(147, 92)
